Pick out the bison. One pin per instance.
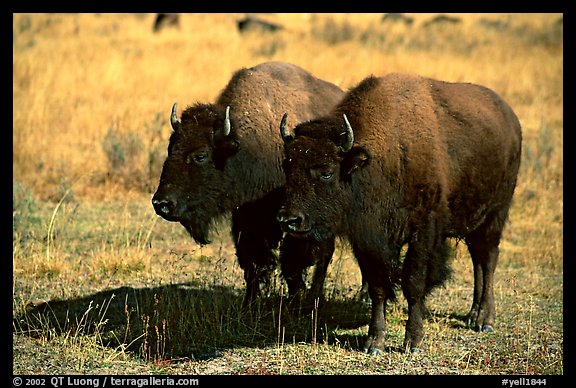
(395, 17)
(401, 160)
(163, 20)
(225, 157)
(251, 23)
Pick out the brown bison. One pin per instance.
(226, 158)
(164, 20)
(405, 159)
(251, 23)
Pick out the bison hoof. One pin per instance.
(415, 351)
(373, 351)
(484, 328)
(487, 328)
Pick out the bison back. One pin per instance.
(436, 145)
(281, 87)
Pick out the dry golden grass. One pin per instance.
(80, 228)
(77, 76)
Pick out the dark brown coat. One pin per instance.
(217, 166)
(420, 161)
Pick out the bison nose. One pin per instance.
(164, 207)
(291, 221)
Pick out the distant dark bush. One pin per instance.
(333, 32)
(132, 161)
(270, 48)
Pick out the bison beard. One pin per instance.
(198, 230)
(409, 160)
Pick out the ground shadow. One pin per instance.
(184, 321)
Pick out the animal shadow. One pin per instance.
(182, 321)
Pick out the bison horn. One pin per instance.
(227, 122)
(347, 145)
(173, 117)
(287, 137)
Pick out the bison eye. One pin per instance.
(323, 173)
(199, 158)
(326, 175)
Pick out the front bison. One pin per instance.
(226, 157)
(407, 160)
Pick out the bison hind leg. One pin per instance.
(483, 245)
(483, 311)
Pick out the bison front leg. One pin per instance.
(258, 283)
(379, 272)
(252, 287)
(258, 280)
(294, 259)
(374, 344)
(256, 236)
(413, 287)
(258, 260)
(296, 255)
(414, 327)
(425, 267)
(325, 250)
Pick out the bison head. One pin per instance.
(193, 185)
(320, 161)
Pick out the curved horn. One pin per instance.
(173, 117)
(347, 145)
(286, 136)
(227, 125)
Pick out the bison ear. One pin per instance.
(224, 149)
(355, 159)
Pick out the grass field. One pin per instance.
(101, 285)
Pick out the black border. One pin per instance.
(550, 6)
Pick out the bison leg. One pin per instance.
(413, 287)
(295, 256)
(425, 267)
(252, 287)
(326, 249)
(256, 275)
(294, 259)
(478, 290)
(256, 236)
(483, 311)
(483, 248)
(362, 294)
(374, 344)
(379, 272)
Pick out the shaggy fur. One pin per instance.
(209, 173)
(430, 160)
